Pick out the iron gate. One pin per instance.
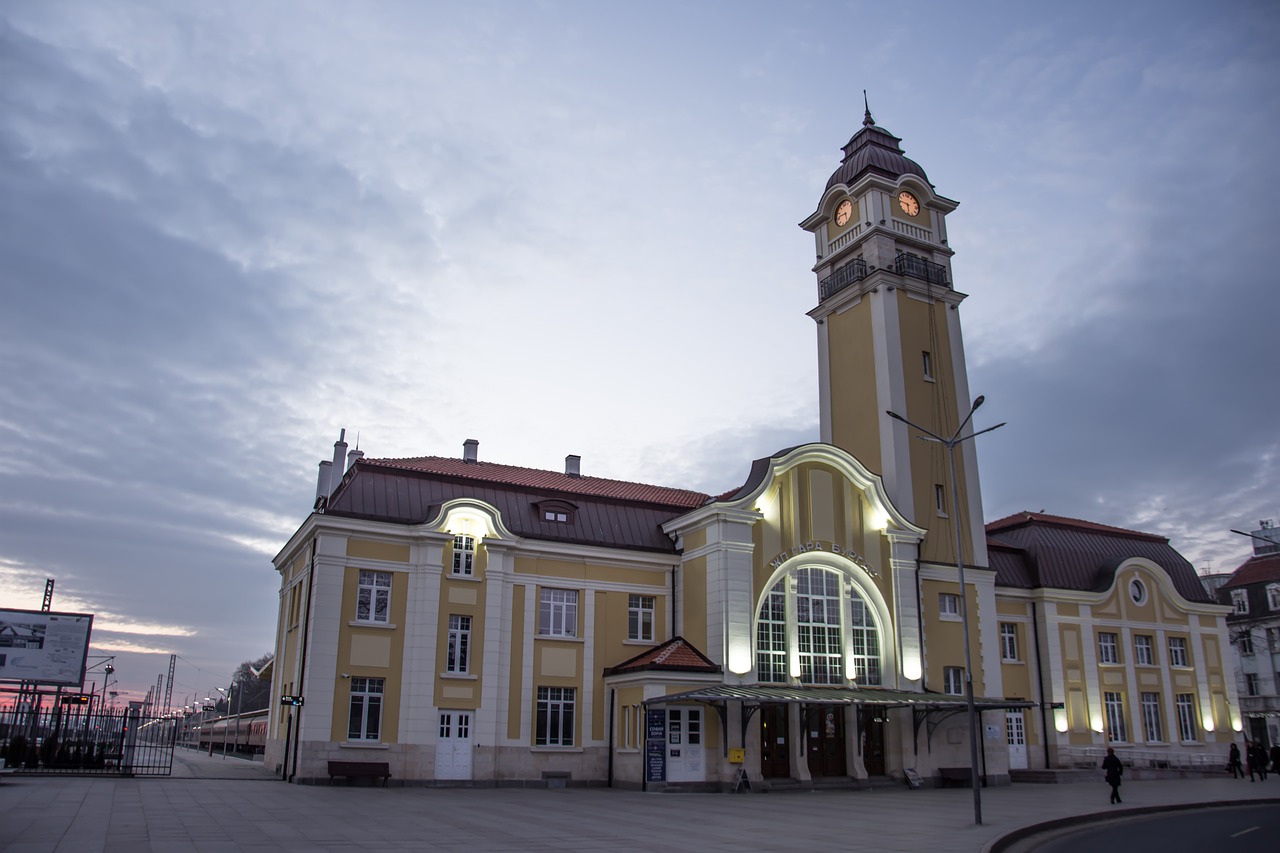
(72, 741)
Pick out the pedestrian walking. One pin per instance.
(1275, 758)
(1114, 770)
(1250, 759)
(1233, 763)
(1260, 760)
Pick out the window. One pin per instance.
(555, 515)
(1137, 591)
(366, 709)
(1108, 648)
(464, 554)
(1250, 684)
(818, 619)
(1114, 705)
(953, 680)
(771, 636)
(558, 615)
(1273, 596)
(864, 666)
(818, 626)
(640, 617)
(940, 499)
(927, 363)
(1244, 643)
(1151, 718)
(373, 597)
(948, 605)
(459, 644)
(555, 716)
(1240, 600)
(1186, 716)
(1008, 641)
(1273, 639)
(1142, 651)
(1177, 651)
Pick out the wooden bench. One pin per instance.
(360, 770)
(961, 777)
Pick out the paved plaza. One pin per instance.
(216, 805)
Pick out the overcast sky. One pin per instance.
(228, 230)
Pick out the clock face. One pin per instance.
(908, 203)
(843, 212)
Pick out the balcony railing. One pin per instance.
(919, 268)
(855, 270)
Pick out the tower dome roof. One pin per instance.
(874, 149)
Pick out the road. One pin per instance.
(1238, 829)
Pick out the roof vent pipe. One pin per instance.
(470, 450)
(322, 482)
(339, 456)
(354, 456)
(573, 465)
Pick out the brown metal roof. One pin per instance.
(1034, 550)
(874, 149)
(607, 513)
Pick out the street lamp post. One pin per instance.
(972, 715)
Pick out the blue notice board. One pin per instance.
(655, 745)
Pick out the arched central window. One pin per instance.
(829, 633)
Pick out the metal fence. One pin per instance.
(72, 741)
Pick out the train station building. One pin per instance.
(472, 622)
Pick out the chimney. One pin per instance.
(354, 456)
(573, 465)
(470, 450)
(322, 483)
(339, 454)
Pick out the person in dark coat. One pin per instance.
(1260, 760)
(1233, 763)
(1275, 758)
(1114, 770)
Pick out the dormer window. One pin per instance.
(555, 512)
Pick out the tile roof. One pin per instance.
(676, 654)
(1255, 570)
(533, 478)
(1032, 550)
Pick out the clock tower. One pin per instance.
(888, 325)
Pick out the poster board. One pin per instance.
(44, 647)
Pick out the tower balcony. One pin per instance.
(855, 270)
(910, 265)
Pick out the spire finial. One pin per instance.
(867, 120)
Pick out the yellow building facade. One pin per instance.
(469, 622)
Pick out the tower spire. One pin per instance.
(867, 120)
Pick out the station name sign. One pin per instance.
(830, 547)
(292, 701)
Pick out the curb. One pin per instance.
(1004, 842)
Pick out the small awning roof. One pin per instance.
(761, 694)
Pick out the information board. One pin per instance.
(655, 745)
(44, 647)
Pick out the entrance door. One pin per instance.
(775, 759)
(873, 743)
(684, 745)
(825, 734)
(1015, 729)
(453, 745)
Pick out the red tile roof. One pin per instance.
(533, 478)
(676, 654)
(1255, 570)
(1021, 518)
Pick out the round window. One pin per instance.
(1137, 591)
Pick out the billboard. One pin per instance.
(44, 647)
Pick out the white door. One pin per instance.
(1015, 729)
(684, 745)
(453, 745)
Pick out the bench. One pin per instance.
(961, 777)
(360, 770)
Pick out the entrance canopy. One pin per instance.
(764, 694)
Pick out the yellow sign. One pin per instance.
(737, 756)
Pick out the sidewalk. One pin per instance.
(255, 812)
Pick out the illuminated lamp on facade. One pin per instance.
(1060, 719)
(880, 521)
(739, 655)
(911, 669)
(1206, 718)
(1097, 722)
